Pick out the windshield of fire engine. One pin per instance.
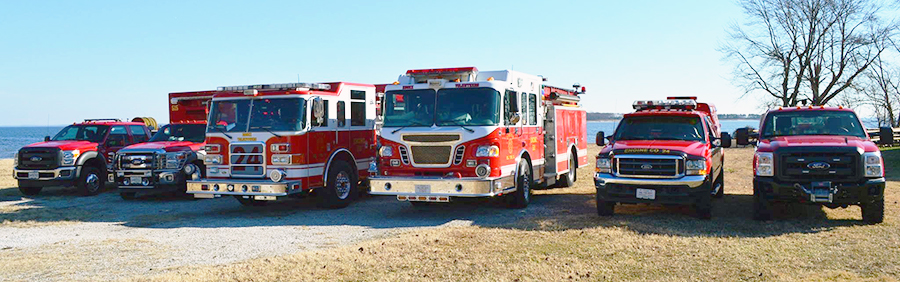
(92, 133)
(663, 127)
(812, 123)
(453, 106)
(180, 132)
(258, 115)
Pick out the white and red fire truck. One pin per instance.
(458, 132)
(269, 141)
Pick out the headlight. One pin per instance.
(487, 151)
(874, 167)
(213, 159)
(765, 165)
(604, 165)
(175, 160)
(16, 160)
(69, 157)
(281, 159)
(386, 151)
(695, 167)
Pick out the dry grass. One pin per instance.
(640, 243)
(54, 261)
(16, 211)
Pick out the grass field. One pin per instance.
(639, 243)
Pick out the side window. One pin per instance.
(524, 108)
(532, 109)
(710, 133)
(357, 108)
(510, 106)
(117, 136)
(341, 115)
(324, 122)
(138, 133)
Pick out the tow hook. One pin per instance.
(820, 192)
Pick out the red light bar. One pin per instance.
(445, 70)
(682, 98)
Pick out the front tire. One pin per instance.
(522, 196)
(341, 188)
(873, 212)
(605, 208)
(30, 191)
(91, 181)
(704, 205)
(761, 207)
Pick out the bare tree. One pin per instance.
(806, 50)
(882, 91)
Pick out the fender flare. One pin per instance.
(519, 160)
(330, 161)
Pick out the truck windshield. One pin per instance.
(258, 115)
(662, 127)
(454, 106)
(812, 123)
(180, 132)
(92, 133)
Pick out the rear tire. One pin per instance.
(30, 191)
(605, 208)
(569, 179)
(873, 212)
(342, 186)
(761, 207)
(522, 196)
(251, 202)
(91, 181)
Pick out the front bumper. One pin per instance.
(61, 176)
(835, 193)
(438, 189)
(156, 180)
(258, 189)
(683, 190)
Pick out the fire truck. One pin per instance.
(269, 141)
(457, 132)
(173, 155)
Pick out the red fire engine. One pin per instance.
(458, 132)
(276, 140)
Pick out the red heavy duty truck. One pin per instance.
(457, 132)
(666, 152)
(275, 140)
(80, 155)
(173, 155)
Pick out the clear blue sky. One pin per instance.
(64, 61)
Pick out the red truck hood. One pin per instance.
(66, 145)
(690, 147)
(770, 145)
(169, 146)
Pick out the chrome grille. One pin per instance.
(247, 159)
(431, 155)
(137, 161)
(649, 167)
(39, 158)
(431, 138)
(460, 153)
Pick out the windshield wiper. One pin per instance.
(460, 125)
(223, 131)
(270, 131)
(408, 125)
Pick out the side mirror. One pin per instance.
(514, 118)
(601, 139)
(725, 140)
(318, 108)
(46, 138)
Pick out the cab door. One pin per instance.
(716, 152)
(116, 139)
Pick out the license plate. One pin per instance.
(33, 175)
(821, 185)
(136, 180)
(423, 189)
(647, 194)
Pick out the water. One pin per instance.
(608, 127)
(13, 138)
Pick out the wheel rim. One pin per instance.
(342, 185)
(92, 181)
(526, 185)
(572, 170)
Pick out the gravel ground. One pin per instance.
(104, 237)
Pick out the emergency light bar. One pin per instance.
(682, 104)
(279, 86)
(442, 71)
(467, 74)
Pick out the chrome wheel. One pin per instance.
(342, 185)
(92, 182)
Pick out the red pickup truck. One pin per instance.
(79, 155)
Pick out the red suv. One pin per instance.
(79, 155)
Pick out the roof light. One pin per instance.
(491, 78)
(682, 98)
(278, 86)
(396, 83)
(444, 70)
(684, 104)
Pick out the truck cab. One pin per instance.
(817, 156)
(172, 156)
(666, 152)
(80, 155)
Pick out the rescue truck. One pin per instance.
(457, 132)
(817, 156)
(269, 141)
(173, 155)
(666, 152)
(80, 155)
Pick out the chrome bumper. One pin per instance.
(56, 173)
(258, 189)
(692, 181)
(420, 189)
(157, 177)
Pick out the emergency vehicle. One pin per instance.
(173, 155)
(458, 132)
(666, 152)
(275, 140)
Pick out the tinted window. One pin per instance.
(661, 128)
(813, 122)
(341, 114)
(117, 137)
(358, 113)
(409, 107)
(277, 115)
(180, 132)
(468, 106)
(229, 115)
(138, 133)
(357, 94)
(92, 133)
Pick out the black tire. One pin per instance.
(570, 177)
(703, 206)
(342, 184)
(251, 202)
(873, 212)
(91, 181)
(762, 209)
(30, 191)
(720, 182)
(522, 196)
(605, 208)
(128, 196)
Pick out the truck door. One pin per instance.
(717, 152)
(362, 122)
(116, 139)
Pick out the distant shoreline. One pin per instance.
(609, 120)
